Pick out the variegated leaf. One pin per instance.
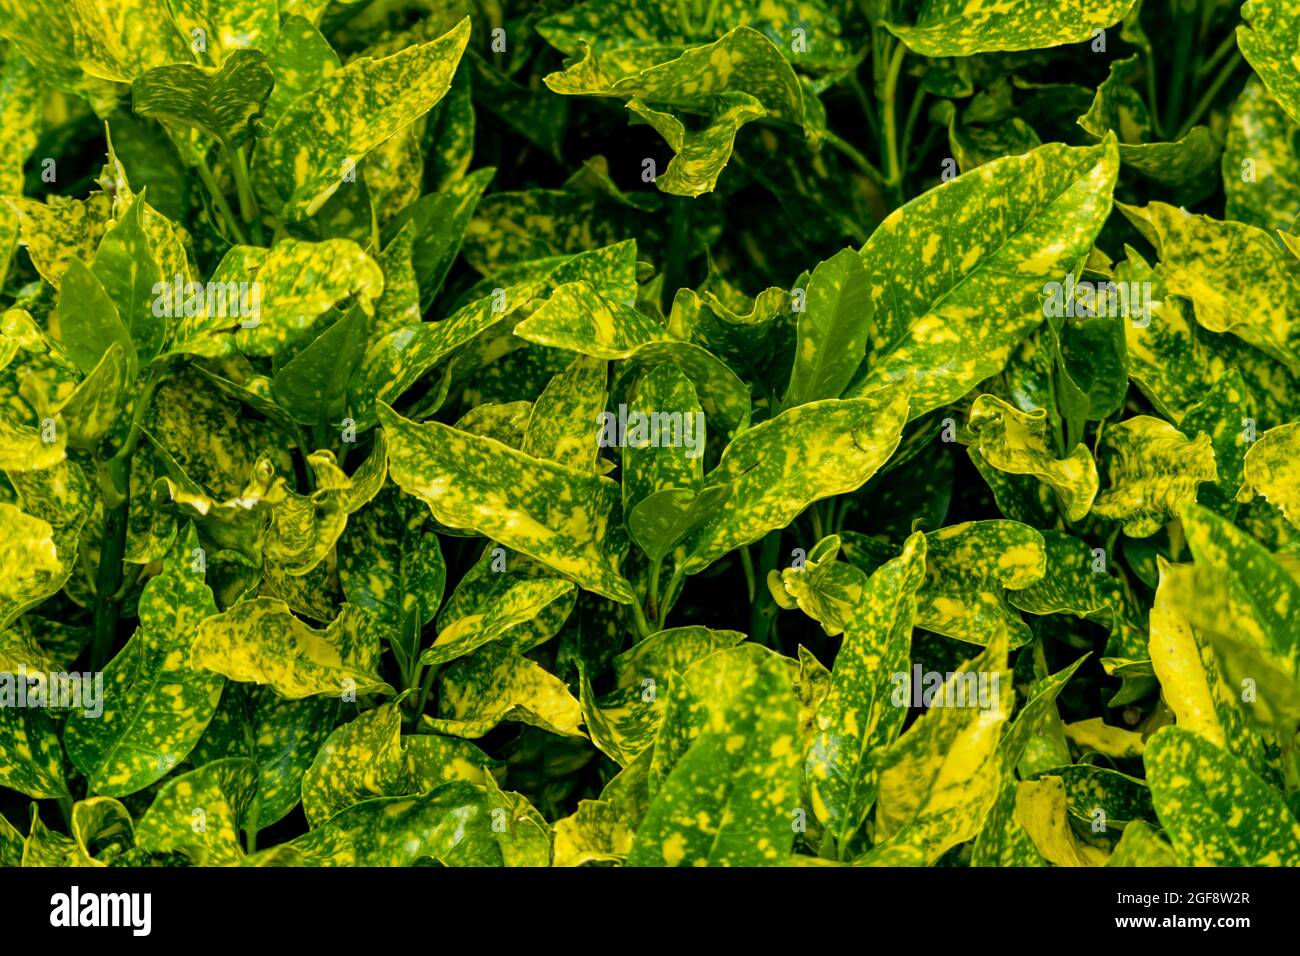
(1016, 442)
(1009, 228)
(1268, 42)
(859, 716)
(776, 469)
(306, 161)
(1272, 469)
(261, 642)
(564, 518)
(971, 567)
(730, 778)
(957, 28)
(1153, 470)
(156, 705)
(1216, 810)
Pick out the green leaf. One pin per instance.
(1171, 355)
(60, 231)
(1271, 470)
(1041, 811)
(564, 425)
(306, 161)
(566, 519)
(312, 386)
(391, 565)
(31, 760)
(120, 42)
(774, 470)
(1216, 811)
(301, 60)
(89, 320)
(259, 641)
(130, 275)
(858, 716)
(731, 785)
(451, 824)
(956, 28)
(1238, 593)
(368, 757)
(1268, 42)
(699, 157)
(941, 778)
(971, 567)
(464, 633)
(1141, 845)
(832, 332)
(656, 467)
(496, 684)
(201, 813)
(222, 103)
(297, 282)
(1016, 442)
(1120, 108)
(281, 736)
(1236, 275)
(579, 318)
(1153, 470)
(398, 359)
(1075, 580)
(305, 528)
(1000, 233)
(1259, 160)
(155, 705)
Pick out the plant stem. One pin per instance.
(859, 161)
(652, 595)
(638, 618)
(114, 482)
(223, 207)
(1153, 101)
(747, 563)
(1228, 44)
(1178, 83)
(426, 685)
(888, 94)
(913, 114)
(244, 189)
(1208, 97)
(115, 488)
(763, 608)
(675, 266)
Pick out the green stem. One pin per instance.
(115, 489)
(244, 189)
(1153, 101)
(747, 563)
(913, 114)
(1228, 44)
(114, 480)
(426, 685)
(219, 199)
(856, 158)
(638, 618)
(652, 598)
(675, 266)
(670, 594)
(1208, 97)
(762, 608)
(888, 94)
(1178, 85)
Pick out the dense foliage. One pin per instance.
(707, 432)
